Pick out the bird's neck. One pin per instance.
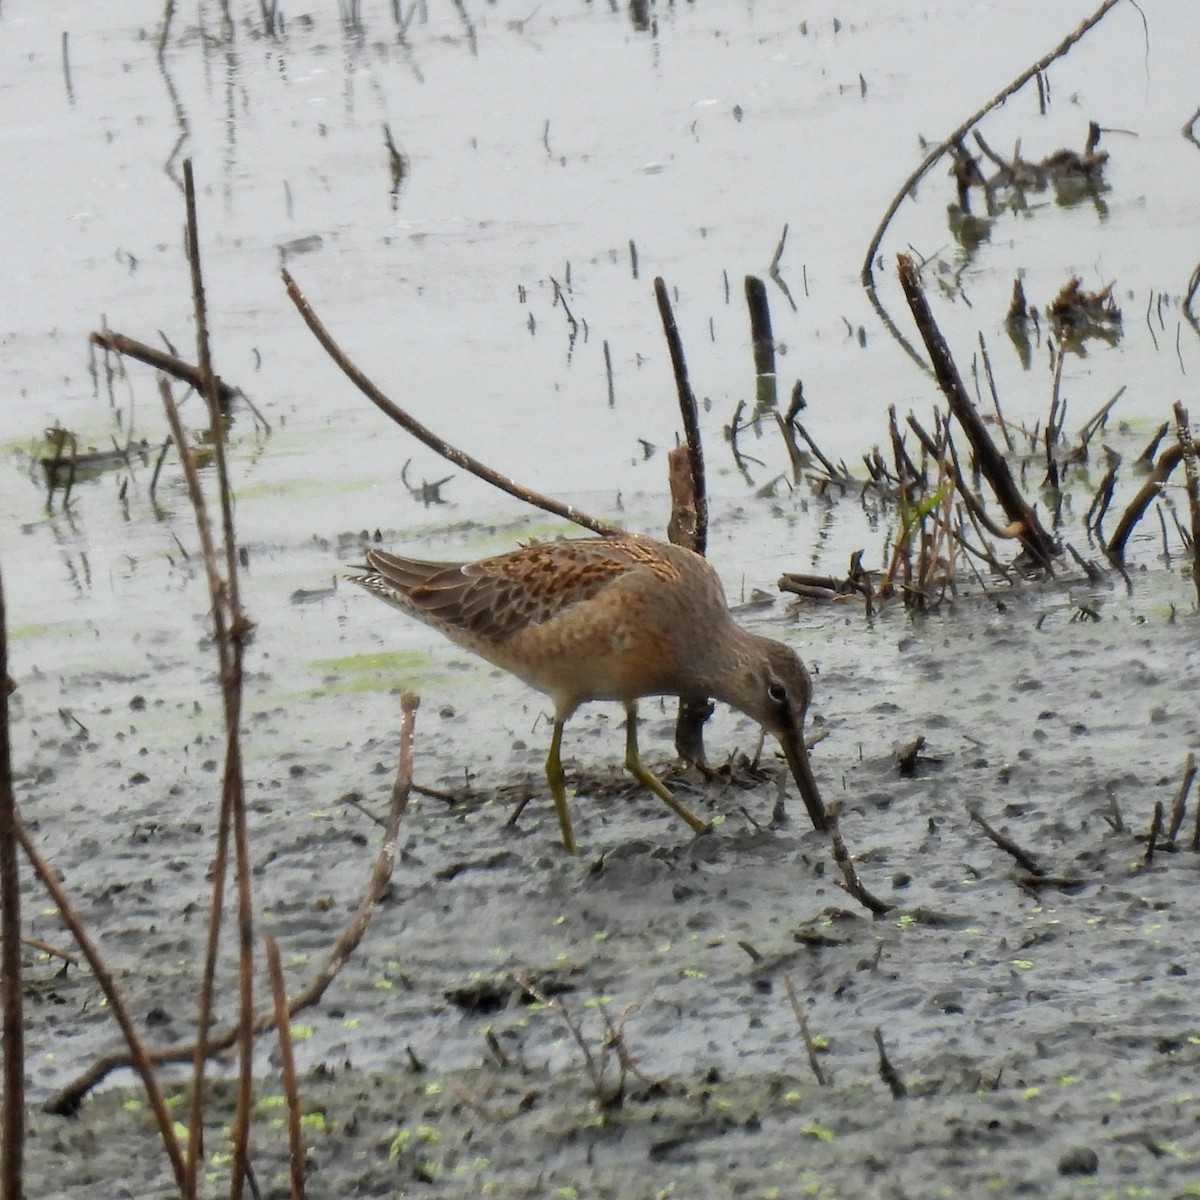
(721, 662)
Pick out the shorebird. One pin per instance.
(609, 618)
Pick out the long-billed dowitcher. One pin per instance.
(609, 618)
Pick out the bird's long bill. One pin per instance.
(796, 753)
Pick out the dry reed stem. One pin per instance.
(989, 375)
(422, 433)
(1093, 425)
(1188, 446)
(221, 852)
(763, 345)
(1156, 829)
(976, 509)
(1196, 831)
(139, 1058)
(1006, 844)
(810, 1048)
(235, 631)
(12, 1117)
(887, 1072)
(937, 547)
(684, 520)
(1022, 517)
(1167, 461)
(164, 33)
(287, 1067)
(68, 1099)
(688, 524)
(688, 414)
(596, 1065)
(1180, 807)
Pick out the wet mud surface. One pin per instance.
(1045, 1033)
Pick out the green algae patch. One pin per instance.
(298, 488)
(33, 631)
(382, 671)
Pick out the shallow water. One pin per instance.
(543, 144)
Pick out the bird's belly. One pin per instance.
(609, 664)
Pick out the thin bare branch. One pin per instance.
(12, 1117)
(287, 1064)
(160, 360)
(1167, 461)
(138, 1057)
(67, 1101)
(422, 433)
(810, 1048)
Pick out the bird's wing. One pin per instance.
(494, 598)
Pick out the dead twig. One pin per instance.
(1098, 509)
(824, 587)
(1180, 806)
(422, 433)
(160, 360)
(1006, 844)
(1096, 423)
(66, 1102)
(1187, 444)
(1147, 456)
(773, 270)
(12, 1115)
(1156, 828)
(887, 1072)
(138, 1057)
(991, 380)
(51, 951)
(596, 1063)
(850, 880)
(836, 475)
(1167, 461)
(1086, 565)
(232, 633)
(810, 1048)
(297, 1155)
(1023, 519)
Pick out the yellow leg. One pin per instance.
(640, 772)
(558, 789)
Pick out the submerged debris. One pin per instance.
(1073, 175)
(1077, 315)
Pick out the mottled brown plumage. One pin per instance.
(608, 618)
